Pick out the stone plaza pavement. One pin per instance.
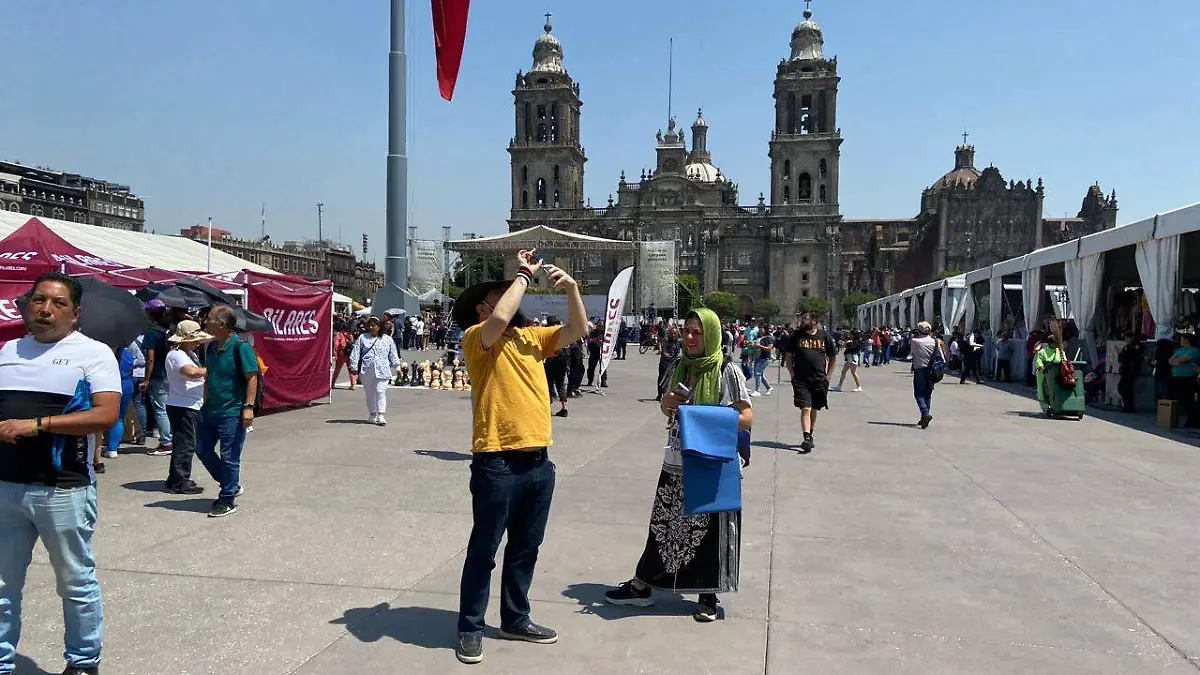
(997, 541)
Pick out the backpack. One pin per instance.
(937, 363)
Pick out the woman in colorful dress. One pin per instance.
(700, 553)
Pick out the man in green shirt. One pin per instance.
(230, 385)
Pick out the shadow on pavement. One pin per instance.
(444, 455)
(145, 486)
(773, 445)
(418, 626)
(350, 422)
(186, 505)
(1027, 413)
(591, 600)
(906, 425)
(26, 666)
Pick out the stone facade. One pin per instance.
(791, 245)
(55, 194)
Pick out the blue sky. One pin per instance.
(213, 108)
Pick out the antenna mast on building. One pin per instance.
(670, 76)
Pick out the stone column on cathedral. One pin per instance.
(939, 263)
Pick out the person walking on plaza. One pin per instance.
(1130, 359)
(622, 341)
(575, 369)
(556, 371)
(154, 346)
(185, 379)
(761, 353)
(231, 381)
(1185, 365)
(112, 439)
(57, 388)
(851, 357)
(810, 359)
(595, 341)
(972, 354)
(512, 477)
(1005, 348)
(672, 346)
(139, 397)
(926, 350)
(698, 553)
(343, 343)
(374, 358)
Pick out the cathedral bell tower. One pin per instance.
(547, 159)
(805, 144)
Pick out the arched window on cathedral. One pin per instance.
(540, 196)
(541, 112)
(822, 112)
(556, 203)
(524, 175)
(822, 193)
(543, 133)
(528, 135)
(805, 192)
(787, 169)
(524, 199)
(554, 122)
(790, 125)
(803, 115)
(35, 210)
(556, 174)
(59, 213)
(787, 194)
(823, 168)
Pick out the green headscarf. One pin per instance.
(707, 368)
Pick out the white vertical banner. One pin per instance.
(612, 317)
(656, 285)
(427, 265)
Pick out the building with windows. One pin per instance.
(55, 194)
(794, 242)
(311, 260)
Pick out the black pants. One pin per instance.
(556, 378)
(593, 363)
(1004, 366)
(184, 422)
(970, 366)
(619, 353)
(663, 367)
(510, 492)
(1125, 387)
(575, 370)
(1183, 389)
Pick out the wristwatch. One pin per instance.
(248, 406)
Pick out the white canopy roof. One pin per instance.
(1051, 255)
(1007, 267)
(1178, 221)
(136, 249)
(981, 274)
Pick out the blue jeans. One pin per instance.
(866, 358)
(112, 440)
(923, 390)
(760, 378)
(139, 409)
(887, 353)
(510, 491)
(65, 521)
(158, 402)
(225, 468)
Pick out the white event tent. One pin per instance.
(1159, 255)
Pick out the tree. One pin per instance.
(851, 301)
(687, 288)
(814, 305)
(766, 308)
(485, 268)
(454, 291)
(724, 304)
(946, 274)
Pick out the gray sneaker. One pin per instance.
(469, 648)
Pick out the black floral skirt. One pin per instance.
(689, 554)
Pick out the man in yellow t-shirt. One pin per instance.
(512, 477)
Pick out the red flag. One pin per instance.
(449, 33)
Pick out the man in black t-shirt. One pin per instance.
(809, 358)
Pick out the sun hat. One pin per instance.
(464, 306)
(188, 331)
(924, 327)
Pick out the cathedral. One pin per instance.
(794, 242)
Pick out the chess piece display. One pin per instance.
(447, 378)
(458, 379)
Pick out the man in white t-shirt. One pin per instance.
(57, 388)
(419, 331)
(185, 395)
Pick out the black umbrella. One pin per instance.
(212, 294)
(250, 321)
(110, 315)
(170, 295)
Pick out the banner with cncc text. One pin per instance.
(297, 354)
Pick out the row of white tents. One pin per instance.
(1159, 255)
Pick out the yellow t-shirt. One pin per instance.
(510, 400)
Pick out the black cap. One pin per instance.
(464, 306)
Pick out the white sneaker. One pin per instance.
(381, 421)
(755, 393)
(858, 389)
(109, 454)
(769, 392)
(836, 387)
(373, 419)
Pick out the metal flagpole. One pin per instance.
(208, 264)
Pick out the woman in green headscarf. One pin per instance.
(691, 554)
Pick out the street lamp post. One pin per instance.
(320, 209)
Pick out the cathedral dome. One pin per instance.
(547, 53)
(964, 170)
(703, 172)
(807, 40)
